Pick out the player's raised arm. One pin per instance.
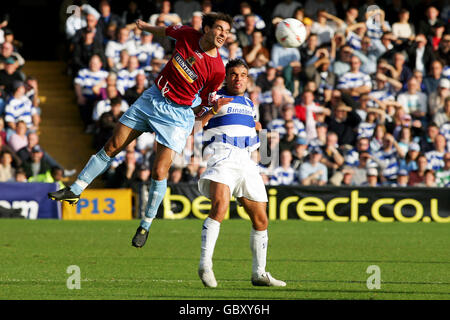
(155, 30)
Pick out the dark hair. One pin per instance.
(211, 18)
(116, 101)
(235, 63)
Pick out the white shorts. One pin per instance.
(234, 167)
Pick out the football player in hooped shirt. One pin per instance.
(167, 108)
(231, 135)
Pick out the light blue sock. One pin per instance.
(155, 197)
(96, 165)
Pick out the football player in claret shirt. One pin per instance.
(192, 75)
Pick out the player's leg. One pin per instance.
(98, 163)
(158, 187)
(220, 201)
(259, 242)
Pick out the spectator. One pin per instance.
(322, 28)
(271, 109)
(285, 9)
(7, 51)
(148, 50)
(401, 70)
(435, 157)
(352, 156)
(251, 51)
(355, 82)
(126, 78)
(107, 121)
(300, 153)
(443, 52)
(107, 17)
(280, 124)
(427, 139)
(420, 54)
(266, 79)
(431, 82)
(313, 172)
(323, 77)
(100, 89)
(443, 116)
(7, 171)
(389, 155)
(429, 179)
(402, 179)
(426, 25)
(332, 157)
(20, 175)
(413, 101)
(19, 139)
(140, 179)
(344, 122)
(280, 56)
(9, 75)
(309, 48)
(320, 136)
(2, 131)
(360, 172)
(132, 14)
(105, 105)
(84, 82)
(436, 100)
(284, 174)
(36, 164)
(342, 65)
(196, 21)
(403, 29)
(239, 19)
(372, 178)
(85, 49)
(125, 172)
(175, 175)
(91, 28)
(288, 140)
(312, 7)
(54, 175)
(114, 48)
(131, 94)
(417, 176)
(443, 174)
(165, 15)
(19, 107)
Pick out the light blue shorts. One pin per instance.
(172, 123)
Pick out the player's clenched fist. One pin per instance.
(217, 104)
(141, 24)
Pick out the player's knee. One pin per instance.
(260, 222)
(159, 173)
(218, 210)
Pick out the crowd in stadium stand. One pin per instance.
(22, 159)
(360, 103)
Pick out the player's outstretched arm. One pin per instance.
(156, 30)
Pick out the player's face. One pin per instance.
(219, 32)
(237, 79)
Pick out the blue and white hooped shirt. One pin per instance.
(234, 124)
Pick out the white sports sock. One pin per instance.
(258, 245)
(210, 233)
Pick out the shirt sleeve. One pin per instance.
(178, 31)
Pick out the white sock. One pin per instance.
(258, 245)
(210, 233)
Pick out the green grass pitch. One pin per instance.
(318, 260)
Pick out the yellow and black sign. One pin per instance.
(101, 204)
(341, 204)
